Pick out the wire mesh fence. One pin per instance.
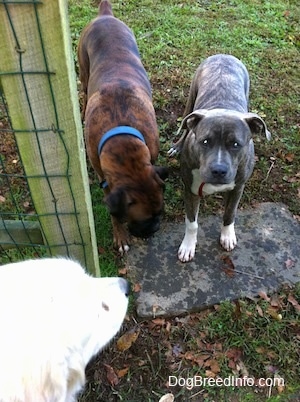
(44, 193)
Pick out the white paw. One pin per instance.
(228, 238)
(123, 249)
(187, 248)
(186, 252)
(172, 152)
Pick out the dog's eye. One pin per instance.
(235, 145)
(205, 142)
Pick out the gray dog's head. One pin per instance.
(220, 140)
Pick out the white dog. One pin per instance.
(53, 319)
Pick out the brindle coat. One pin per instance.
(117, 92)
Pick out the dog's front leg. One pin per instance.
(187, 248)
(120, 236)
(232, 198)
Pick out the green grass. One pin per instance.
(174, 36)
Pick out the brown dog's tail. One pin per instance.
(105, 8)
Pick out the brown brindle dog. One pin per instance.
(120, 126)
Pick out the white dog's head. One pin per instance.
(54, 318)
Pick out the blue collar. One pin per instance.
(120, 130)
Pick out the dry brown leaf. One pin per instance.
(259, 310)
(234, 354)
(290, 157)
(264, 295)
(122, 372)
(111, 376)
(229, 268)
(137, 288)
(201, 359)
(294, 302)
(123, 271)
(237, 311)
(279, 381)
(159, 321)
(214, 365)
(101, 250)
(242, 369)
(127, 339)
(210, 374)
(289, 263)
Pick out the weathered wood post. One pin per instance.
(39, 82)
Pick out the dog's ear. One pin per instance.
(161, 173)
(257, 125)
(192, 119)
(117, 205)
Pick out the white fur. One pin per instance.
(228, 237)
(53, 319)
(187, 248)
(208, 188)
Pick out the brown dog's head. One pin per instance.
(139, 203)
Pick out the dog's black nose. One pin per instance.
(145, 229)
(219, 170)
(125, 286)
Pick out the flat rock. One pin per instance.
(266, 257)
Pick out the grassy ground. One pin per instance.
(258, 338)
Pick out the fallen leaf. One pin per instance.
(159, 321)
(234, 353)
(290, 157)
(260, 311)
(101, 250)
(137, 287)
(213, 365)
(294, 302)
(127, 339)
(279, 381)
(167, 398)
(2, 199)
(201, 359)
(227, 260)
(123, 271)
(242, 369)
(111, 376)
(210, 374)
(289, 263)
(275, 301)
(264, 295)
(122, 372)
(229, 269)
(237, 311)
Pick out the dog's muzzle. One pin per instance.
(219, 170)
(144, 228)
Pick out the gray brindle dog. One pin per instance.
(216, 146)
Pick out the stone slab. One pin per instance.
(266, 257)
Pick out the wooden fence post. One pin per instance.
(39, 83)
